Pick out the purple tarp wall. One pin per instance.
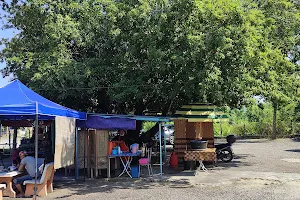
(104, 123)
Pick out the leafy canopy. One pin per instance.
(123, 56)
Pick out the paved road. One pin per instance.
(262, 169)
(237, 192)
(281, 155)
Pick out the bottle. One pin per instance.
(119, 149)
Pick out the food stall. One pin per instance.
(93, 141)
(195, 122)
(94, 133)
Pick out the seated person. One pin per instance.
(27, 162)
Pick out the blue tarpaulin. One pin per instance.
(19, 102)
(111, 123)
(116, 122)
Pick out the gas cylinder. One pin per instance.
(173, 160)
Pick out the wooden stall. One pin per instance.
(95, 150)
(93, 140)
(195, 121)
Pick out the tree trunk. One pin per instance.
(293, 128)
(274, 131)
(134, 134)
(15, 138)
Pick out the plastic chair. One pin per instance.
(146, 162)
(2, 187)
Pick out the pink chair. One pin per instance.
(146, 162)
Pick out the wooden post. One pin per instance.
(96, 153)
(84, 152)
(88, 154)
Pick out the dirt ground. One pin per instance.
(261, 169)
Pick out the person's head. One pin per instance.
(122, 132)
(22, 154)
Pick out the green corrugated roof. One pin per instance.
(201, 112)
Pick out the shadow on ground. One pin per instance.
(238, 161)
(253, 141)
(108, 186)
(103, 185)
(293, 150)
(295, 139)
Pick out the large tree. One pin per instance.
(124, 56)
(277, 78)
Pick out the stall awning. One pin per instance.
(200, 112)
(18, 102)
(107, 123)
(134, 117)
(116, 122)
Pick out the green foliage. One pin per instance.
(127, 56)
(148, 125)
(256, 119)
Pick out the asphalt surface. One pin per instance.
(261, 169)
(281, 155)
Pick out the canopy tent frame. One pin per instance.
(36, 150)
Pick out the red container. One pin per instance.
(173, 160)
(111, 145)
(123, 147)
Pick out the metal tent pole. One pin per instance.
(84, 149)
(36, 149)
(160, 151)
(76, 154)
(165, 148)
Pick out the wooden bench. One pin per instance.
(2, 187)
(44, 185)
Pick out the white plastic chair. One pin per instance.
(146, 162)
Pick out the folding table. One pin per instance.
(208, 154)
(126, 158)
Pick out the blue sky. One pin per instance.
(4, 34)
(7, 33)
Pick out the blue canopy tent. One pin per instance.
(18, 102)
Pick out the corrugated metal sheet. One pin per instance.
(201, 113)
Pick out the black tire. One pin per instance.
(226, 155)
